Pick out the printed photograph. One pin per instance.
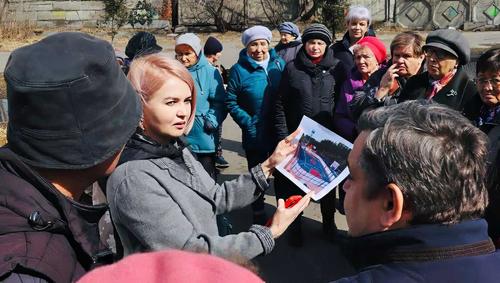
(320, 161)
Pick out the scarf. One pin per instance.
(264, 63)
(437, 85)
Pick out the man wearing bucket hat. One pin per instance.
(253, 82)
(445, 81)
(71, 110)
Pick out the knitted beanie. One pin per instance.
(254, 33)
(376, 46)
(212, 46)
(317, 31)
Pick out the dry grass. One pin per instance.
(3, 133)
(15, 30)
(3, 87)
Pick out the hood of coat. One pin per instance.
(245, 60)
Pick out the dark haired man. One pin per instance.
(385, 85)
(71, 110)
(416, 195)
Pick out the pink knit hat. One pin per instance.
(376, 46)
(171, 266)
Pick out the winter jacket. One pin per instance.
(342, 50)
(43, 234)
(460, 93)
(288, 51)
(438, 253)
(249, 98)
(307, 89)
(343, 121)
(210, 97)
(172, 202)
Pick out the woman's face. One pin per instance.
(167, 111)
(186, 55)
(488, 85)
(357, 29)
(365, 61)
(258, 49)
(286, 38)
(315, 48)
(439, 62)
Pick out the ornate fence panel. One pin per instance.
(431, 14)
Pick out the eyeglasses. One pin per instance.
(437, 53)
(495, 82)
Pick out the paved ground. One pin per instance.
(319, 260)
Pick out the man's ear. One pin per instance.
(392, 205)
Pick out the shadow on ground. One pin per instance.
(319, 260)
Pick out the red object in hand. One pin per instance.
(289, 202)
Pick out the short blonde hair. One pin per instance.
(147, 75)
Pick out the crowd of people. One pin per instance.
(422, 200)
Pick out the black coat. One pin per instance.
(308, 89)
(459, 94)
(58, 245)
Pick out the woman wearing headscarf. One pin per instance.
(369, 55)
(253, 82)
(310, 86)
(210, 97)
(290, 41)
(357, 20)
(445, 81)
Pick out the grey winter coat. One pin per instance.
(161, 203)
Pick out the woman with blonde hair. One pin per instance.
(164, 198)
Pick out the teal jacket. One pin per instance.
(251, 91)
(210, 97)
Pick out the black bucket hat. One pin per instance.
(142, 43)
(70, 105)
